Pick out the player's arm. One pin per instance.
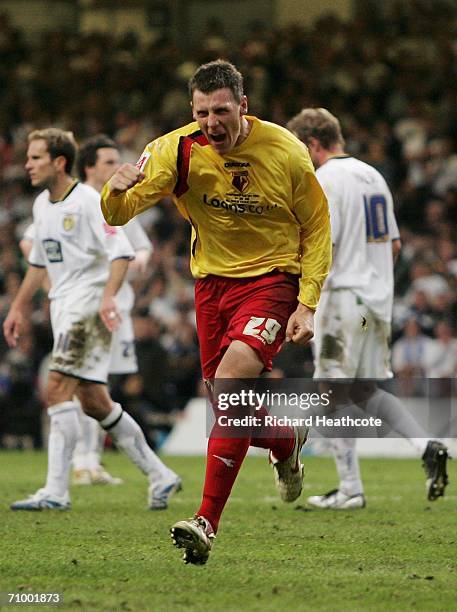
(133, 189)
(118, 204)
(392, 224)
(311, 210)
(12, 325)
(108, 310)
(113, 243)
(396, 248)
(26, 245)
(141, 244)
(140, 263)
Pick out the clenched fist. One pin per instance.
(126, 176)
(300, 327)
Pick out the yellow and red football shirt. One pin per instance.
(254, 210)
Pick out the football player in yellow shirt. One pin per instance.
(260, 251)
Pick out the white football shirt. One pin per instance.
(137, 236)
(363, 227)
(74, 243)
(139, 240)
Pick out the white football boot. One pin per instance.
(99, 476)
(95, 476)
(289, 473)
(336, 500)
(159, 493)
(42, 500)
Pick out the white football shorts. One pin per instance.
(82, 344)
(349, 340)
(123, 357)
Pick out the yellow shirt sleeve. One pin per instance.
(311, 210)
(158, 162)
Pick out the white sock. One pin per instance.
(352, 411)
(128, 437)
(96, 445)
(90, 444)
(87, 455)
(63, 433)
(393, 412)
(347, 464)
(80, 452)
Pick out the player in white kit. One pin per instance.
(86, 262)
(353, 319)
(98, 159)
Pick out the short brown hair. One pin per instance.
(217, 75)
(87, 156)
(59, 143)
(317, 123)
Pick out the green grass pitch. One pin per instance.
(110, 553)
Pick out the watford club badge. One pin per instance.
(240, 180)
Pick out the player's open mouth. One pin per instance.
(217, 137)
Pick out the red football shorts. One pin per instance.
(254, 310)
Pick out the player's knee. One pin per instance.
(59, 389)
(95, 401)
(89, 408)
(95, 410)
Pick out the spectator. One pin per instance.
(410, 355)
(441, 357)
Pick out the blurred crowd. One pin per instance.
(389, 74)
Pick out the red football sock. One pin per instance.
(279, 439)
(225, 456)
(224, 459)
